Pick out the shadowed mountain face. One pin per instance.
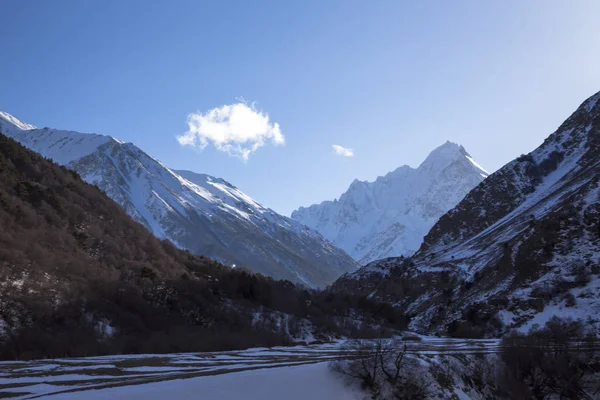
(522, 246)
(389, 217)
(200, 213)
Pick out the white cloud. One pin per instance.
(342, 151)
(238, 129)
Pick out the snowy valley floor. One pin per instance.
(299, 372)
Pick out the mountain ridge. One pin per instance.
(522, 246)
(209, 218)
(79, 277)
(390, 215)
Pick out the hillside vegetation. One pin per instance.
(79, 277)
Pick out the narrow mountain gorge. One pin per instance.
(200, 213)
(390, 217)
(522, 246)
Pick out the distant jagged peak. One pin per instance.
(448, 150)
(437, 160)
(399, 173)
(357, 184)
(446, 154)
(390, 216)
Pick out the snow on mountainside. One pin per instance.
(522, 246)
(10, 124)
(390, 217)
(203, 214)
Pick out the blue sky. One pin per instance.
(389, 79)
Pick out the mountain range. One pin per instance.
(79, 277)
(390, 216)
(200, 213)
(504, 251)
(521, 247)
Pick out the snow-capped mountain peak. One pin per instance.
(445, 155)
(390, 216)
(521, 247)
(14, 122)
(198, 212)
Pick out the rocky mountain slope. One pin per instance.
(390, 217)
(522, 246)
(79, 277)
(200, 213)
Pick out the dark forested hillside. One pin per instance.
(79, 277)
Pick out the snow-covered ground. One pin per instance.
(299, 372)
(311, 381)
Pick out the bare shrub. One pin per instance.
(556, 361)
(383, 369)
